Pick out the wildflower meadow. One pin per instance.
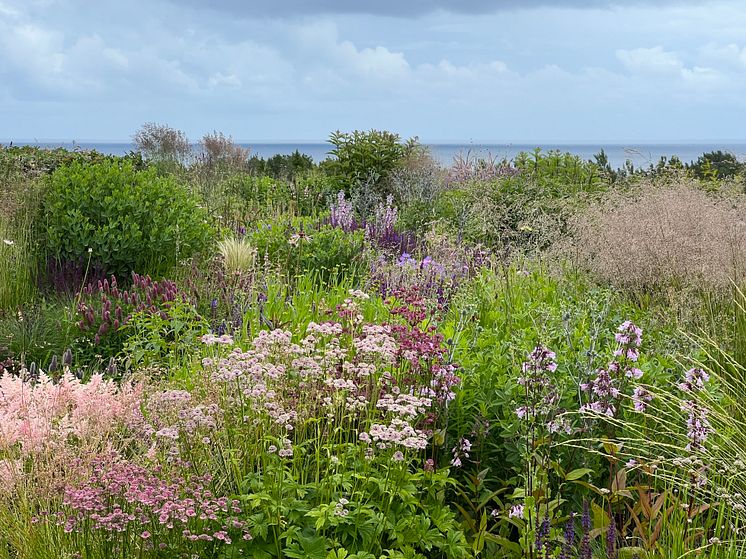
(204, 353)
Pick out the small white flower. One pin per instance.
(9, 242)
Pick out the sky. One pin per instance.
(443, 70)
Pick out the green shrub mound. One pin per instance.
(128, 220)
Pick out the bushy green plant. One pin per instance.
(717, 164)
(302, 245)
(361, 156)
(32, 161)
(128, 220)
(281, 166)
(521, 208)
(164, 339)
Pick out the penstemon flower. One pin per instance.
(606, 389)
(516, 511)
(461, 450)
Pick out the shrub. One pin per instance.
(360, 156)
(657, 237)
(281, 166)
(28, 162)
(128, 220)
(521, 208)
(162, 144)
(220, 151)
(717, 164)
(417, 186)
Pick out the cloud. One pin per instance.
(408, 8)
(656, 63)
(653, 60)
(101, 72)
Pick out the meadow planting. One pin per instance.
(208, 354)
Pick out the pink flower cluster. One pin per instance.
(212, 339)
(172, 414)
(384, 381)
(607, 388)
(397, 432)
(45, 414)
(121, 496)
(697, 425)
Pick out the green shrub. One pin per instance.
(31, 161)
(717, 165)
(128, 220)
(281, 166)
(361, 156)
(526, 209)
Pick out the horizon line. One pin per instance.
(439, 142)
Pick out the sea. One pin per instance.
(640, 155)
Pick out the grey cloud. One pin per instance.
(409, 8)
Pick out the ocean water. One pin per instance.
(618, 154)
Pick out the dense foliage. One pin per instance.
(128, 220)
(371, 357)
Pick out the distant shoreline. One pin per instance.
(617, 153)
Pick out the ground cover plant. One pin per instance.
(208, 354)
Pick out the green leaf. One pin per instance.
(578, 473)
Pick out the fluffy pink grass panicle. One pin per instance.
(43, 414)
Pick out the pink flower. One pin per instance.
(516, 511)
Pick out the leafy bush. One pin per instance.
(170, 338)
(279, 166)
(522, 208)
(128, 220)
(33, 162)
(717, 164)
(361, 156)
